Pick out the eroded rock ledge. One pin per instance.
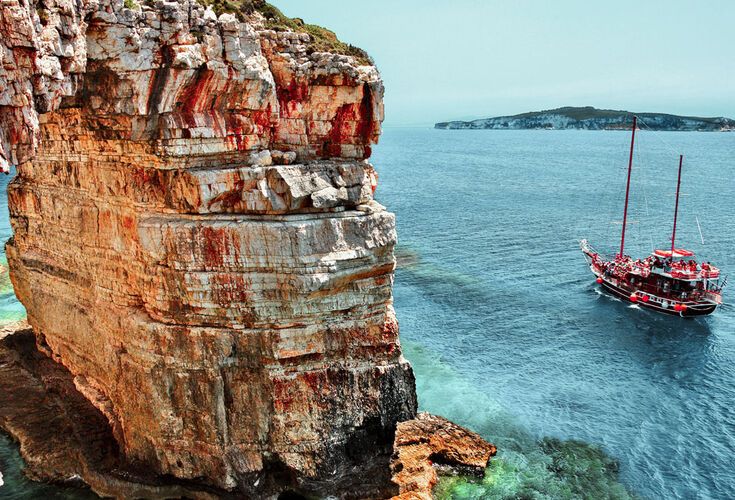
(196, 241)
(429, 445)
(63, 437)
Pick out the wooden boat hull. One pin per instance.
(693, 310)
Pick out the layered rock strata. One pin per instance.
(196, 241)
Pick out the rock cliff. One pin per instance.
(196, 240)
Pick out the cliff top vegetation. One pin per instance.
(322, 39)
(591, 113)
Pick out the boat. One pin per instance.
(667, 281)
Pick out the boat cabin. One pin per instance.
(679, 278)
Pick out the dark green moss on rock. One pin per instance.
(561, 469)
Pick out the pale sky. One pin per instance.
(461, 59)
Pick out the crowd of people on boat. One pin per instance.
(623, 264)
(673, 279)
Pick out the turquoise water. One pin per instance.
(10, 309)
(507, 333)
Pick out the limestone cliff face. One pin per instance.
(196, 238)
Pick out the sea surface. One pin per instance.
(584, 395)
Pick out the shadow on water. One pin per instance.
(446, 287)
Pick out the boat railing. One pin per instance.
(685, 274)
(585, 246)
(715, 297)
(709, 271)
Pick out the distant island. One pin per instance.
(589, 118)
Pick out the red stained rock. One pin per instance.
(196, 242)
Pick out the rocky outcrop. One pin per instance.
(63, 436)
(196, 240)
(429, 445)
(65, 439)
(589, 118)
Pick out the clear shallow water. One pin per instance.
(502, 322)
(10, 309)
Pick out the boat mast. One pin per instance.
(627, 186)
(676, 209)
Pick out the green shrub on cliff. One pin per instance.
(322, 39)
